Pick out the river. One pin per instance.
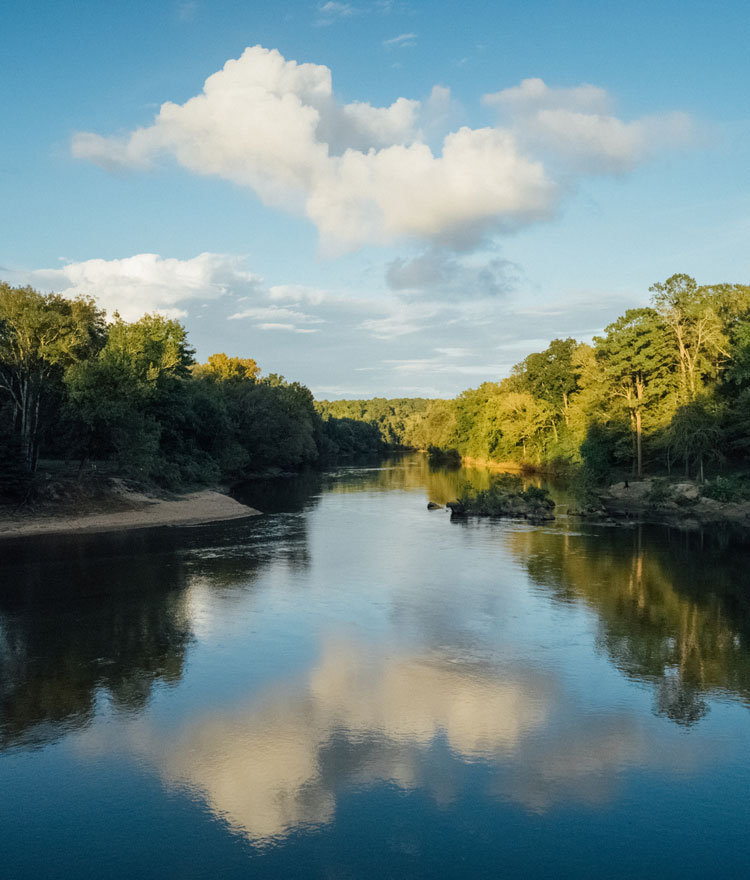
(351, 686)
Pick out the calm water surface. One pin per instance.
(350, 686)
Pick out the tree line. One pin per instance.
(77, 388)
(665, 388)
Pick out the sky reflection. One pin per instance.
(364, 717)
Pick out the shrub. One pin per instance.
(727, 489)
(506, 497)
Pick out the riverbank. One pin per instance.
(124, 510)
(660, 501)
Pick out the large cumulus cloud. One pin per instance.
(366, 174)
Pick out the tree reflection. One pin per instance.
(83, 617)
(56, 660)
(671, 607)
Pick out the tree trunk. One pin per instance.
(639, 386)
(638, 444)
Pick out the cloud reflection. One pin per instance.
(279, 764)
(263, 768)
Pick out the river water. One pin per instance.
(351, 686)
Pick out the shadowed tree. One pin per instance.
(41, 335)
(121, 397)
(634, 358)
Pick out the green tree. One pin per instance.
(695, 434)
(551, 375)
(122, 398)
(634, 358)
(690, 314)
(41, 335)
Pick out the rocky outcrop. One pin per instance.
(658, 500)
(506, 500)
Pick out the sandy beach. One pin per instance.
(194, 508)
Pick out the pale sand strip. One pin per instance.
(194, 508)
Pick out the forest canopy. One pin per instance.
(130, 395)
(666, 386)
(663, 386)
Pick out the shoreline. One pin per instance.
(192, 509)
(676, 504)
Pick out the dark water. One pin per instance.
(350, 686)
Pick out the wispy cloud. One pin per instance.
(332, 11)
(396, 341)
(186, 10)
(402, 41)
(279, 318)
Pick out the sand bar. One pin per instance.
(194, 508)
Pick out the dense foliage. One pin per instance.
(667, 385)
(129, 396)
(392, 419)
(664, 387)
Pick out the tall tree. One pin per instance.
(634, 357)
(41, 335)
(123, 397)
(690, 313)
(551, 375)
(695, 434)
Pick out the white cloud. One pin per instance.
(278, 318)
(534, 95)
(362, 174)
(274, 313)
(576, 124)
(367, 175)
(149, 283)
(291, 328)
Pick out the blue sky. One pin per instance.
(431, 192)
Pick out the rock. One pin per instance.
(687, 490)
(431, 505)
(455, 507)
(541, 516)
